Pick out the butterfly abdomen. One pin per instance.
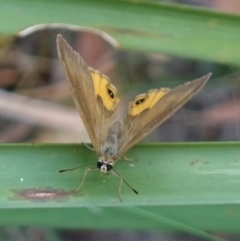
(110, 145)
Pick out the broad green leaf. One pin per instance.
(180, 187)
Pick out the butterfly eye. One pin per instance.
(109, 167)
(138, 102)
(111, 94)
(99, 164)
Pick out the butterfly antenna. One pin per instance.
(125, 181)
(72, 169)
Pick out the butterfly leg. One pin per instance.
(84, 177)
(129, 159)
(120, 185)
(89, 147)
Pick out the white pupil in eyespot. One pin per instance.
(139, 101)
(111, 94)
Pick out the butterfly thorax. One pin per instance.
(109, 147)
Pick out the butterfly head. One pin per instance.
(104, 166)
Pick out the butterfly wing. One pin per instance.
(150, 110)
(93, 94)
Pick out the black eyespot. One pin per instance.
(99, 164)
(111, 94)
(139, 101)
(109, 167)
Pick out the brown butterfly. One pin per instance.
(97, 102)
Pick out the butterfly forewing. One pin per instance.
(136, 127)
(94, 95)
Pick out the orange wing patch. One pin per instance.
(146, 101)
(104, 89)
